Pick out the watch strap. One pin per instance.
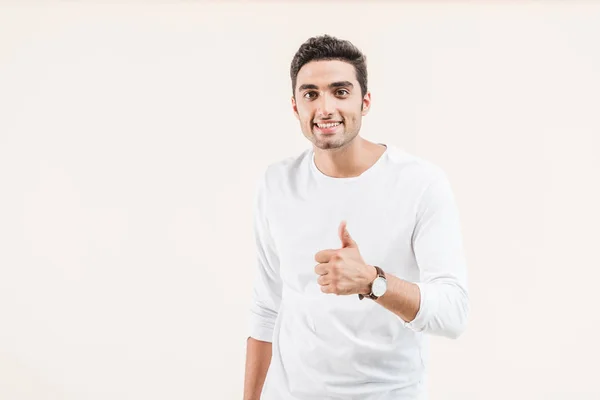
(380, 274)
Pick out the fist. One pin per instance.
(343, 271)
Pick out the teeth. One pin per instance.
(331, 125)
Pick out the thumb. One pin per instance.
(345, 237)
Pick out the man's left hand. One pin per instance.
(343, 271)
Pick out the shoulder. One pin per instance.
(425, 180)
(420, 171)
(282, 172)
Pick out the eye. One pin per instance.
(342, 92)
(310, 95)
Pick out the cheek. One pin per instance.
(349, 119)
(305, 116)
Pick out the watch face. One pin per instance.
(379, 286)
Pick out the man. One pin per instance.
(359, 251)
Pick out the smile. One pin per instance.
(329, 125)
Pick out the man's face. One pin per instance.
(329, 103)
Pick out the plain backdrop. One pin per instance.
(132, 136)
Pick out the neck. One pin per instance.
(348, 161)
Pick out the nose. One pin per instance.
(325, 106)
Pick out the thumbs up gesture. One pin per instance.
(343, 271)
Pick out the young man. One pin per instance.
(359, 251)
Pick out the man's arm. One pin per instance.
(403, 298)
(258, 359)
(439, 302)
(266, 298)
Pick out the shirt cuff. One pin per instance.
(426, 309)
(260, 329)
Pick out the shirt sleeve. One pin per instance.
(266, 293)
(438, 249)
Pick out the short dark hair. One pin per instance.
(327, 47)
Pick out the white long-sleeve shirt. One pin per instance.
(402, 214)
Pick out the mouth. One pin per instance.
(327, 128)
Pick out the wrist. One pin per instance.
(371, 276)
(377, 287)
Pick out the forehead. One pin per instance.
(324, 72)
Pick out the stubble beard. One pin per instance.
(337, 141)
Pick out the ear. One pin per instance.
(366, 103)
(295, 108)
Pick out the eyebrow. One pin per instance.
(331, 85)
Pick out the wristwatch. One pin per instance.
(378, 286)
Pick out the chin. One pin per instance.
(329, 144)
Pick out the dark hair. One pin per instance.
(330, 48)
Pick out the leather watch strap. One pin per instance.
(381, 274)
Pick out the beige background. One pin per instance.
(131, 137)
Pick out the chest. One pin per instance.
(380, 219)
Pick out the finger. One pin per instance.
(345, 237)
(321, 269)
(328, 289)
(324, 256)
(324, 280)
(341, 229)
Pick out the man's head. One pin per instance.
(330, 96)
